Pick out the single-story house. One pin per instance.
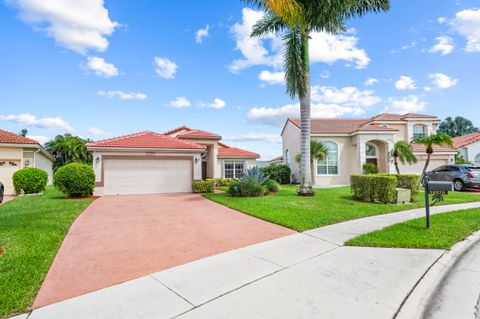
(353, 142)
(17, 152)
(469, 147)
(150, 162)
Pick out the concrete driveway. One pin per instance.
(119, 238)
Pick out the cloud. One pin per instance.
(347, 96)
(31, 120)
(95, 131)
(201, 34)
(443, 46)
(39, 138)
(180, 102)
(76, 25)
(255, 137)
(370, 81)
(467, 24)
(404, 105)
(442, 81)
(165, 68)
(441, 20)
(100, 67)
(405, 47)
(217, 104)
(272, 77)
(123, 95)
(405, 83)
(268, 50)
(325, 74)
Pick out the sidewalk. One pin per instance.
(306, 275)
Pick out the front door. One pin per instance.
(204, 170)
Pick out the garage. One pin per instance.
(7, 169)
(417, 168)
(145, 175)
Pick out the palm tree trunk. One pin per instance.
(306, 188)
(395, 162)
(312, 168)
(426, 164)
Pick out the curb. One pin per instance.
(416, 302)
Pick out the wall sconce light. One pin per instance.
(27, 162)
(196, 160)
(97, 160)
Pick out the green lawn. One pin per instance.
(446, 229)
(328, 206)
(31, 231)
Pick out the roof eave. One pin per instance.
(140, 149)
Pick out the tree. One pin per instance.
(457, 127)
(439, 139)
(68, 149)
(318, 152)
(296, 19)
(23, 132)
(403, 152)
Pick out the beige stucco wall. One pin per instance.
(402, 134)
(44, 163)
(435, 161)
(11, 153)
(291, 141)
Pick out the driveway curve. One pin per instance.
(119, 238)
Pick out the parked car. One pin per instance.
(462, 176)
(2, 189)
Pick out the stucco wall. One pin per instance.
(471, 151)
(402, 134)
(291, 141)
(44, 163)
(435, 161)
(14, 153)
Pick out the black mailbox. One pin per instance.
(440, 188)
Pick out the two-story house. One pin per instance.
(353, 142)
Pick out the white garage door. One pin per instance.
(418, 167)
(147, 176)
(7, 168)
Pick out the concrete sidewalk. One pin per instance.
(307, 275)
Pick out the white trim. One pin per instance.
(338, 161)
(234, 162)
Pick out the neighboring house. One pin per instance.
(276, 160)
(469, 147)
(17, 152)
(353, 142)
(150, 162)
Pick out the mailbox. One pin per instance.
(440, 188)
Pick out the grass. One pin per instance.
(446, 229)
(31, 231)
(328, 206)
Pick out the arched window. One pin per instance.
(419, 131)
(287, 156)
(477, 159)
(370, 150)
(329, 166)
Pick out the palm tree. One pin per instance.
(68, 149)
(457, 127)
(296, 19)
(318, 152)
(439, 139)
(403, 152)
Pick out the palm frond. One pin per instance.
(359, 8)
(296, 69)
(290, 11)
(269, 23)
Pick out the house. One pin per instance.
(276, 160)
(353, 142)
(17, 152)
(150, 162)
(468, 146)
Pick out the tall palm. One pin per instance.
(439, 139)
(296, 19)
(403, 152)
(318, 152)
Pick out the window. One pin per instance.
(233, 169)
(370, 150)
(287, 157)
(419, 131)
(329, 166)
(477, 159)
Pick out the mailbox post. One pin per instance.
(438, 189)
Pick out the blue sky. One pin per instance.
(100, 69)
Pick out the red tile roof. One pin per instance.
(461, 141)
(146, 140)
(341, 126)
(191, 133)
(276, 159)
(229, 151)
(418, 148)
(400, 117)
(11, 138)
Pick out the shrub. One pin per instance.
(205, 186)
(222, 181)
(256, 174)
(408, 181)
(272, 186)
(75, 179)
(234, 189)
(369, 168)
(247, 186)
(31, 180)
(278, 172)
(374, 188)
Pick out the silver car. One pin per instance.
(461, 175)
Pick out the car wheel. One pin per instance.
(458, 185)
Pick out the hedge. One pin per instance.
(278, 172)
(204, 186)
(374, 188)
(31, 180)
(408, 181)
(369, 168)
(75, 179)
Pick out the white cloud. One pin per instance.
(444, 45)
(180, 102)
(405, 47)
(77, 25)
(347, 96)
(370, 81)
(467, 24)
(201, 34)
(405, 83)
(123, 95)
(100, 67)
(31, 120)
(39, 138)
(441, 20)
(255, 137)
(217, 104)
(165, 68)
(95, 131)
(404, 105)
(268, 50)
(272, 77)
(442, 81)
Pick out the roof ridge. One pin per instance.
(183, 127)
(121, 137)
(25, 139)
